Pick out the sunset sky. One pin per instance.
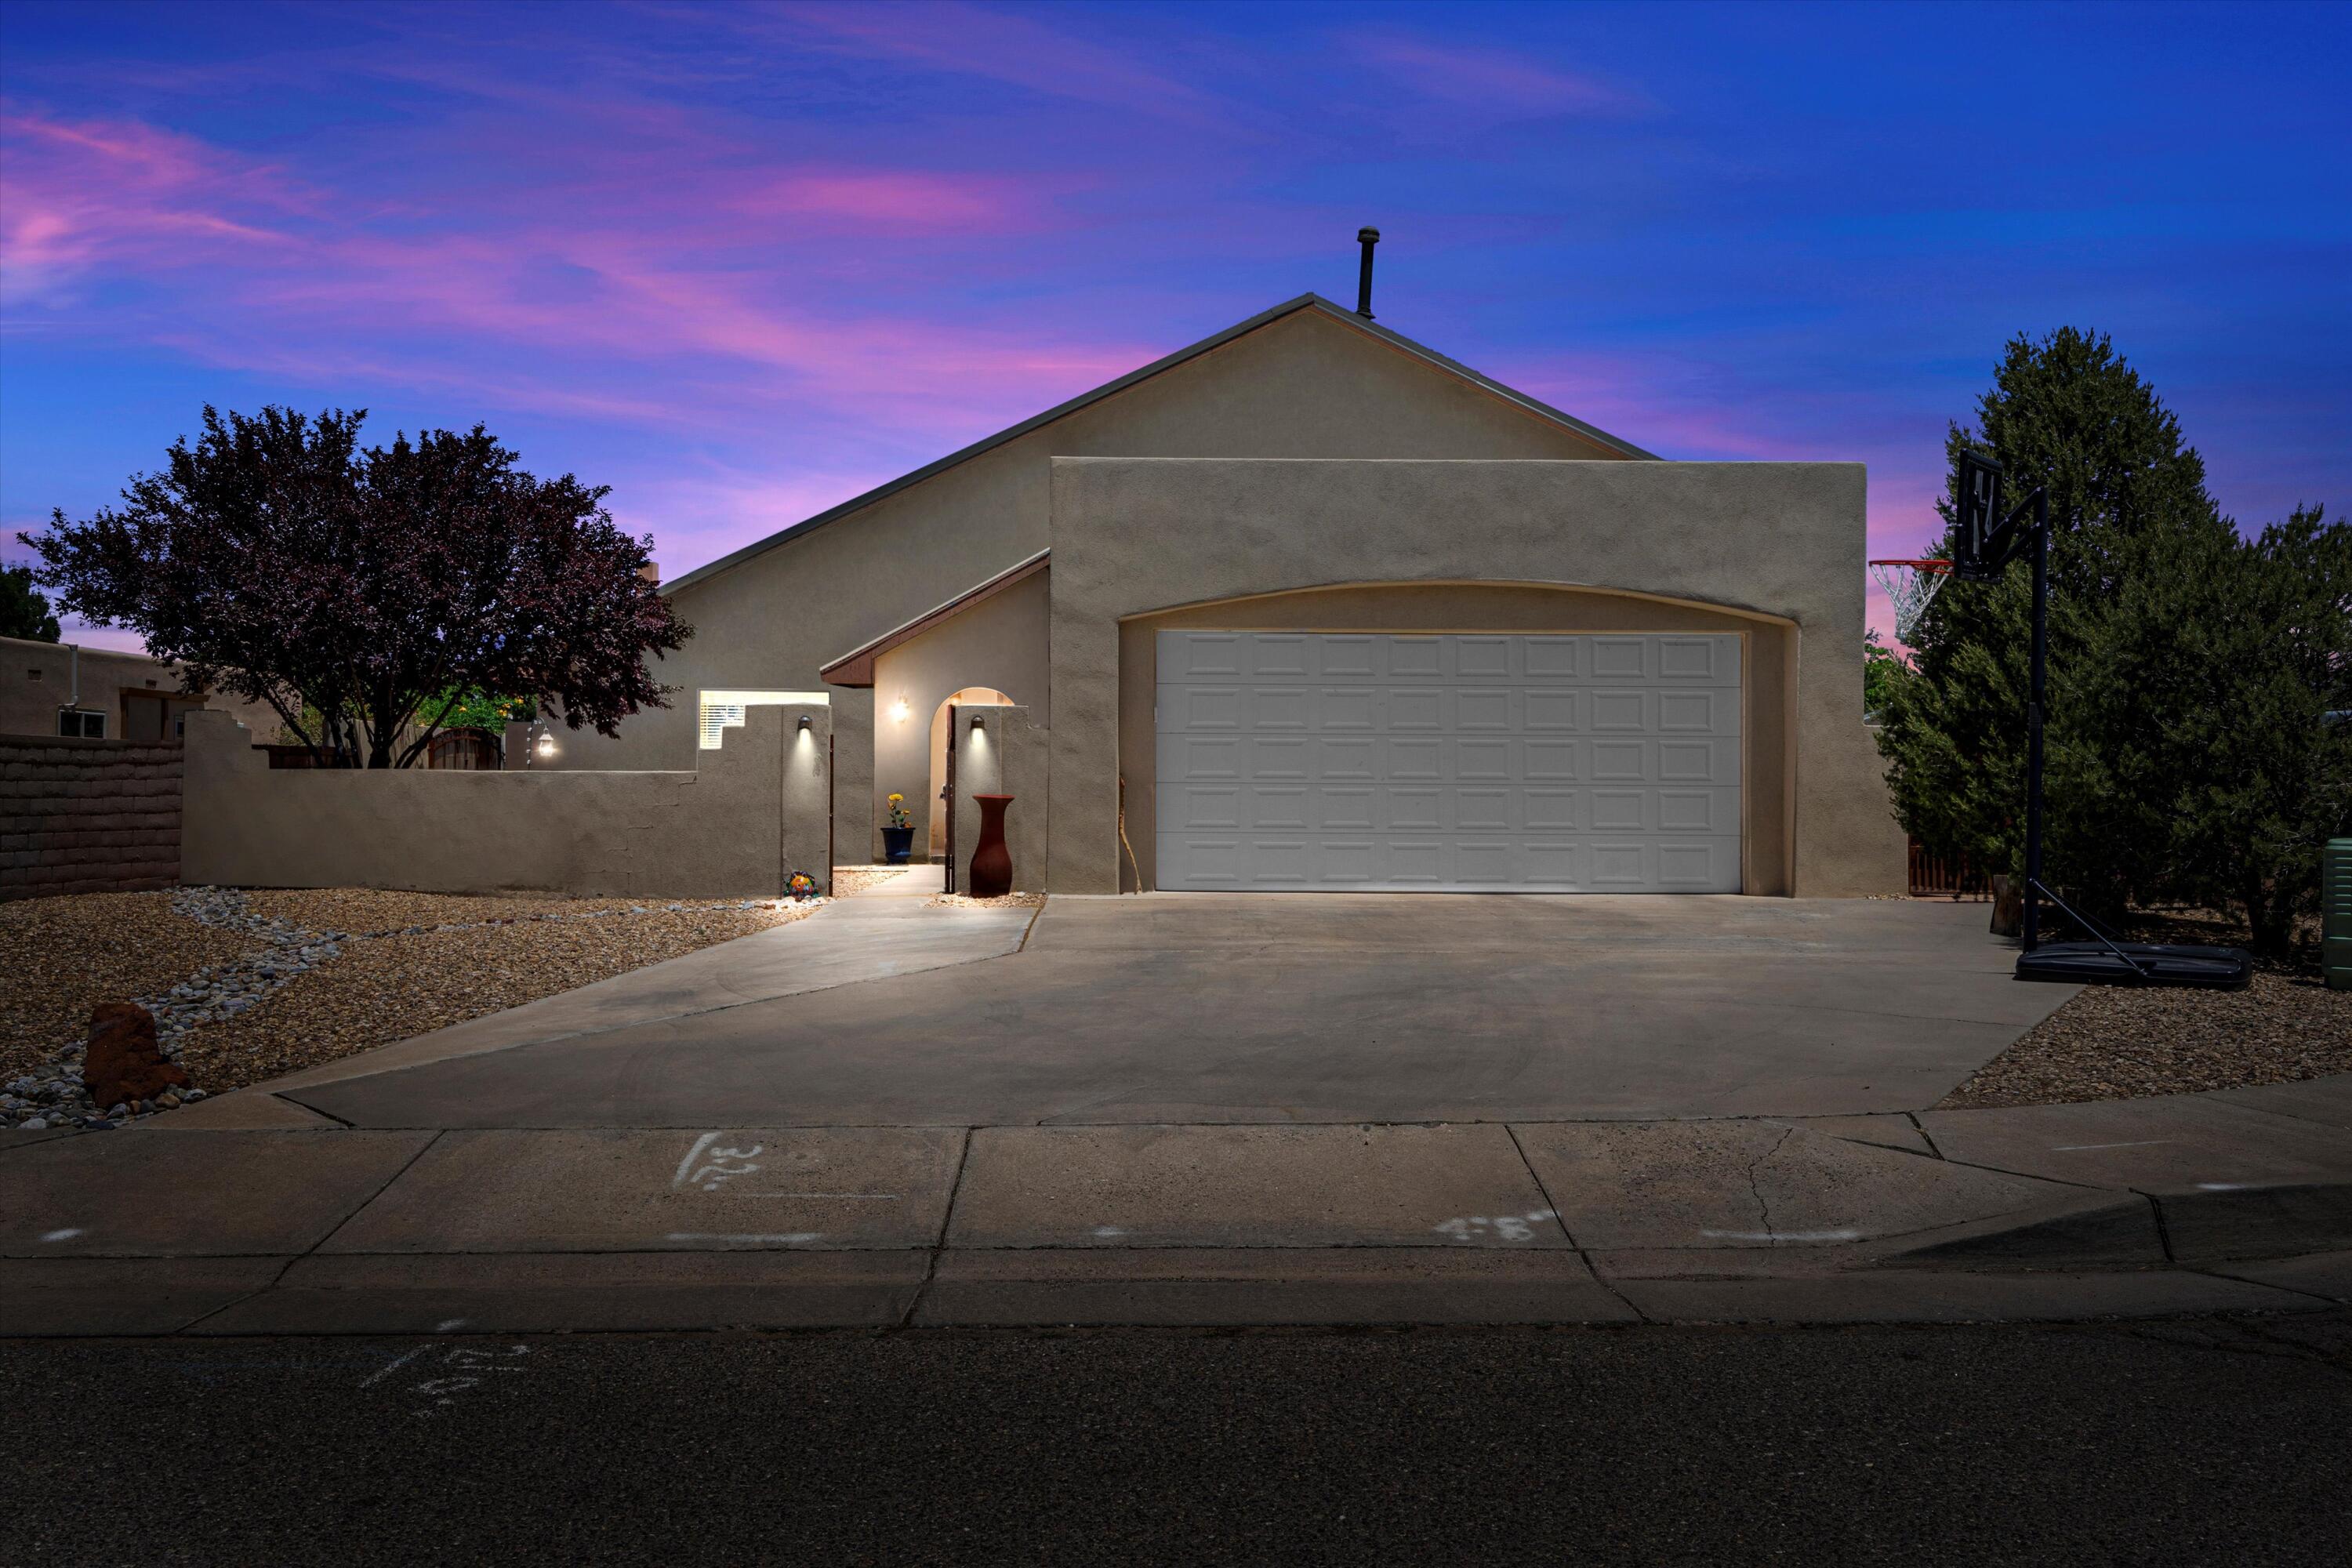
(742, 262)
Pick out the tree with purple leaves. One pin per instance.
(363, 593)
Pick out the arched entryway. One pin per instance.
(965, 697)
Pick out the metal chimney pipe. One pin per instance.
(1367, 237)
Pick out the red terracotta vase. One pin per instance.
(991, 862)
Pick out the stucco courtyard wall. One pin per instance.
(755, 810)
(1781, 543)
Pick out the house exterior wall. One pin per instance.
(1783, 541)
(756, 810)
(138, 694)
(999, 642)
(1766, 692)
(1304, 385)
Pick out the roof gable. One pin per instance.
(1309, 301)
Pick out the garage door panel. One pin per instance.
(1347, 808)
(1604, 763)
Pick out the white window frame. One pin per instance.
(81, 731)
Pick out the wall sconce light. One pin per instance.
(544, 745)
(899, 709)
(805, 721)
(980, 721)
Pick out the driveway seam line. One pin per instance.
(947, 1218)
(280, 1277)
(1537, 1177)
(1927, 1137)
(359, 1208)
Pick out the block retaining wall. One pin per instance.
(88, 817)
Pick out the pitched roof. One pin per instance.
(1309, 301)
(855, 668)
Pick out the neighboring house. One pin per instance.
(92, 693)
(1309, 606)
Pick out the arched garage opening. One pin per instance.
(1458, 736)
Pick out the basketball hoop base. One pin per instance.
(2138, 963)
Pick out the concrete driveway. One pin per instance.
(1296, 1008)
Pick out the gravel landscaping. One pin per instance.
(849, 880)
(2115, 1042)
(249, 987)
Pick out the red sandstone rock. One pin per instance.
(123, 1062)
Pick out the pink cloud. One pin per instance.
(75, 197)
(1490, 80)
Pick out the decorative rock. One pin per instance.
(124, 1062)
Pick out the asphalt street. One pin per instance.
(2185, 1440)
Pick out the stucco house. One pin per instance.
(55, 690)
(1308, 605)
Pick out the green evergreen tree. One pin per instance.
(24, 609)
(2213, 704)
(2068, 413)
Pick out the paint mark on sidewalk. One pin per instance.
(1781, 1235)
(1502, 1226)
(2080, 1148)
(786, 1238)
(68, 1233)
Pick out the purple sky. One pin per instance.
(742, 262)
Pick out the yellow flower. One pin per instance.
(897, 798)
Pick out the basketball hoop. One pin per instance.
(1911, 587)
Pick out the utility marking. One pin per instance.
(1106, 1232)
(393, 1366)
(1505, 1226)
(2223, 1186)
(709, 1177)
(66, 1235)
(877, 1197)
(447, 1325)
(1782, 1234)
(2079, 1148)
(788, 1238)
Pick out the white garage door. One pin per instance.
(1506, 764)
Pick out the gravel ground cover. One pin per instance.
(249, 987)
(1009, 901)
(848, 879)
(65, 956)
(2115, 1042)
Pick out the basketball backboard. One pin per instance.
(1976, 554)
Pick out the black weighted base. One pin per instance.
(2149, 964)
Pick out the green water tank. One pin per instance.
(2336, 913)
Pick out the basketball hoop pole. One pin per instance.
(2036, 700)
(1981, 550)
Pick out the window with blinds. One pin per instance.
(723, 710)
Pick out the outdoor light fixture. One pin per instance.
(980, 720)
(805, 721)
(546, 746)
(899, 709)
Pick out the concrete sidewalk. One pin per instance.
(2238, 1201)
